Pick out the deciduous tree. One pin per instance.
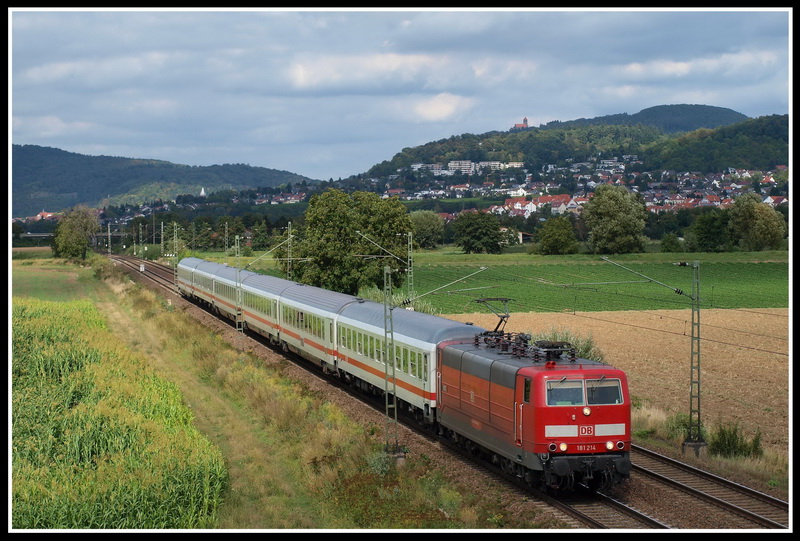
(478, 232)
(74, 232)
(756, 225)
(557, 237)
(347, 240)
(428, 228)
(616, 219)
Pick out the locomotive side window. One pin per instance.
(603, 391)
(565, 393)
(527, 390)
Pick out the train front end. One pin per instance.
(581, 423)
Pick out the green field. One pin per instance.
(451, 281)
(53, 282)
(601, 285)
(447, 280)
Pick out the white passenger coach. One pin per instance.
(341, 333)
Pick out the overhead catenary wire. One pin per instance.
(596, 288)
(549, 308)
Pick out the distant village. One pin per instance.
(663, 191)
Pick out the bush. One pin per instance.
(671, 243)
(678, 426)
(728, 441)
(585, 347)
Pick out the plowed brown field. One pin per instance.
(744, 360)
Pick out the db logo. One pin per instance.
(587, 430)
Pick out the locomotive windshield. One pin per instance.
(601, 391)
(565, 392)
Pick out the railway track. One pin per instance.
(750, 509)
(152, 272)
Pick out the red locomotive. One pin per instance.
(539, 412)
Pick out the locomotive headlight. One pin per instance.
(587, 411)
(562, 447)
(609, 445)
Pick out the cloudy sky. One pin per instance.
(330, 94)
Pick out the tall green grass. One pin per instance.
(98, 441)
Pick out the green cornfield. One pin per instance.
(98, 440)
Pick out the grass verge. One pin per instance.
(295, 460)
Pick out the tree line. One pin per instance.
(346, 240)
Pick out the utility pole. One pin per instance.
(289, 253)
(390, 384)
(694, 437)
(239, 313)
(175, 253)
(410, 265)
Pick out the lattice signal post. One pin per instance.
(694, 437)
(390, 390)
(694, 434)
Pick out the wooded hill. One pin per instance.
(667, 118)
(760, 143)
(45, 178)
(713, 139)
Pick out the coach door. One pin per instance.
(522, 399)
